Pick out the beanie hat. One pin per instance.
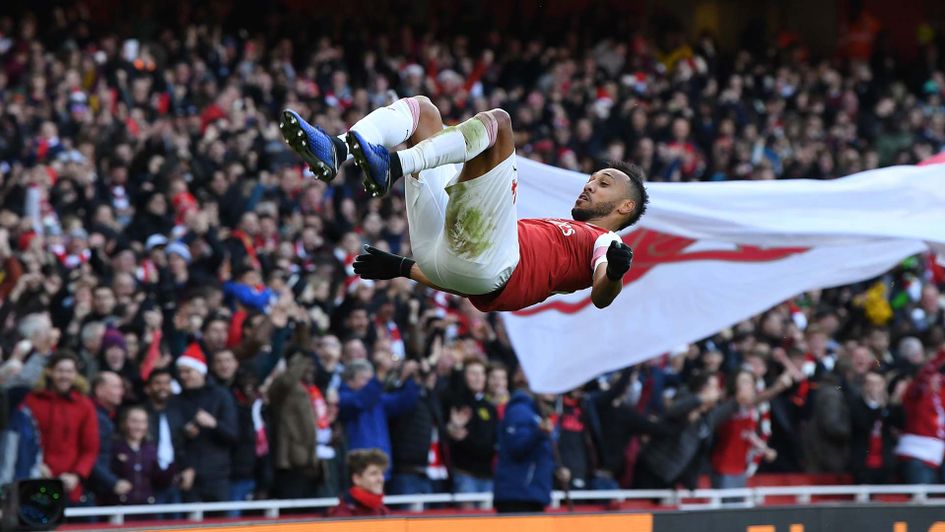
(193, 358)
(113, 338)
(179, 248)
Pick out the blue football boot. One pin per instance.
(374, 161)
(312, 144)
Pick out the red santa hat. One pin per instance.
(193, 358)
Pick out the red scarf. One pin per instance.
(248, 246)
(571, 417)
(436, 467)
(366, 498)
(320, 407)
(152, 356)
(147, 272)
(762, 416)
(874, 455)
(393, 334)
(235, 335)
(306, 258)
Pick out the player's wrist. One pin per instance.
(406, 265)
(615, 274)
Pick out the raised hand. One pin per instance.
(619, 257)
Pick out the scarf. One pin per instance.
(248, 245)
(320, 407)
(366, 498)
(392, 331)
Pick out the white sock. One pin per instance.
(391, 125)
(456, 144)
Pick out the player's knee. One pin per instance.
(429, 122)
(427, 107)
(502, 119)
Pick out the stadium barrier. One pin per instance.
(690, 501)
(817, 518)
(535, 523)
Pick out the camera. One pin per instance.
(33, 505)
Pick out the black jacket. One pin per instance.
(102, 480)
(672, 457)
(611, 423)
(244, 452)
(209, 453)
(863, 419)
(474, 453)
(175, 422)
(411, 433)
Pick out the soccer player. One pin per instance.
(461, 189)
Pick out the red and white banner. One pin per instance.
(708, 255)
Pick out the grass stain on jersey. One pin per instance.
(467, 229)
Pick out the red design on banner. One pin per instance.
(652, 248)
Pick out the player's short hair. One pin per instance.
(358, 461)
(636, 190)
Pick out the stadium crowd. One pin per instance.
(179, 320)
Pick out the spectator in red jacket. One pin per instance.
(366, 496)
(738, 439)
(922, 443)
(67, 424)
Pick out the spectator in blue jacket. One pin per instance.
(523, 477)
(21, 451)
(365, 407)
(247, 289)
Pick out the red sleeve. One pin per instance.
(88, 441)
(918, 386)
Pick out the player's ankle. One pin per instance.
(396, 167)
(341, 149)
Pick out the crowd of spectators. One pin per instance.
(179, 320)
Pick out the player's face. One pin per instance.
(604, 192)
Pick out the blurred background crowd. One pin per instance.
(179, 320)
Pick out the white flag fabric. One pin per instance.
(708, 255)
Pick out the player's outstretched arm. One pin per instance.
(608, 277)
(417, 275)
(376, 265)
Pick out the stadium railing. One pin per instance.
(681, 499)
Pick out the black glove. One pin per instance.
(619, 256)
(378, 265)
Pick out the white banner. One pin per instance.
(708, 255)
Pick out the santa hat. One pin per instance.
(193, 358)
